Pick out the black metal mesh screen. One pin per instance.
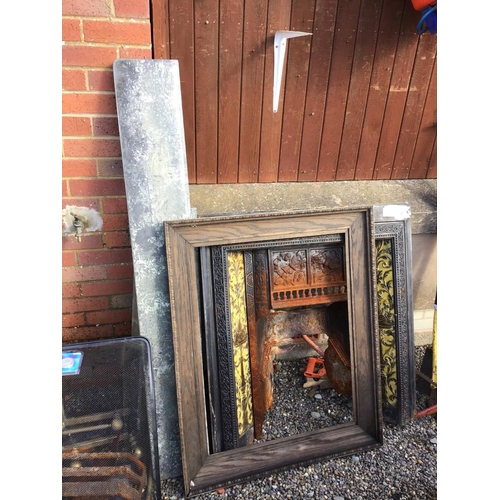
(109, 441)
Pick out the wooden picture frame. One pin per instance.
(185, 241)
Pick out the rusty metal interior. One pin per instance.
(301, 298)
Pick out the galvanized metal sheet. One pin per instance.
(148, 99)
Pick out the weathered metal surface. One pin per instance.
(118, 489)
(338, 373)
(148, 98)
(281, 329)
(214, 409)
(284, 326)
(307, 276)
(313, 345)
(338, 346)
(257, 291)
(97, 475)
(427, 411)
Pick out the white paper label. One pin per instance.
(396, 211)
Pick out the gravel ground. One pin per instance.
(405, 467)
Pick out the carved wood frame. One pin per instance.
(203, 471)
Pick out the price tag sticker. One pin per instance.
(71, 362)
(400, 212)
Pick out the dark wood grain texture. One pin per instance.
(278, 18)
(187, 352)
(415, 102)
(295, 87)
(206, 33)
(387, 41)
(398, 93)
(354, 98)
(338, 87)
(432, 170)
(258, 460)
(160, 29)
(427, 132)
(366, 43)
(252, 88)
(230, 71)
(203, 471)
(182, 48)
(317, 88)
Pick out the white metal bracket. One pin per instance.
(280, 38)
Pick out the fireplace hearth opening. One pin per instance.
(270, 301)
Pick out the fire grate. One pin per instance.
(90, 475)
(109, 442)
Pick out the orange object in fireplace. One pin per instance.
(315, 368)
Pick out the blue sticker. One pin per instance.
(71, 362)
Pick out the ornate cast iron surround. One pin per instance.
(393, 269)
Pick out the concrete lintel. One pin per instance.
(420, 194)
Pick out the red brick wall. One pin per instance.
(97, 272)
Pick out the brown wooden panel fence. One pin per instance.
(357, 102)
